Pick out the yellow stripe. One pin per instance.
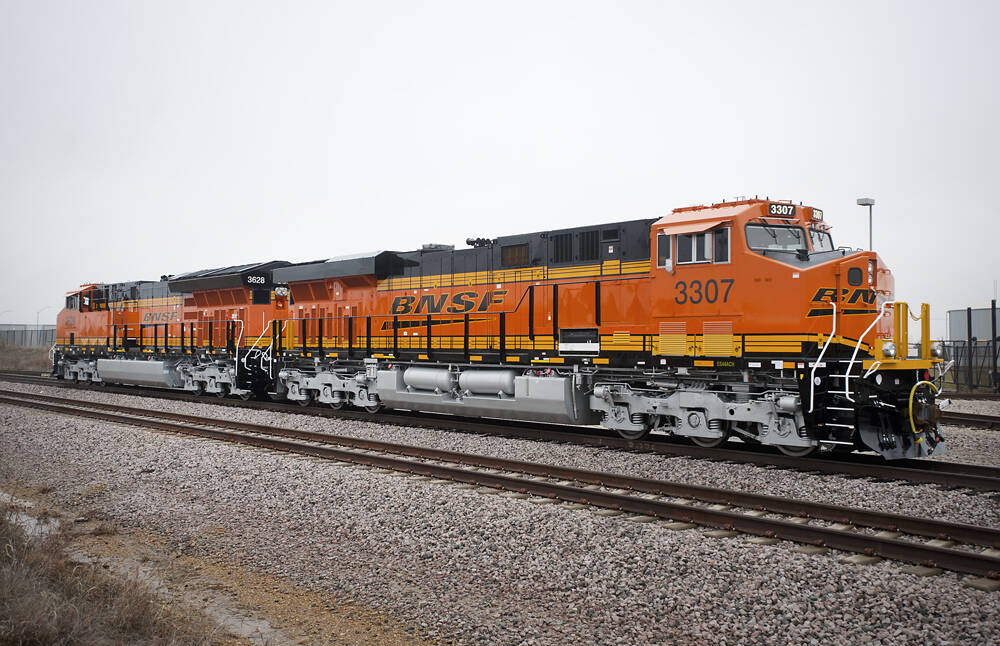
(513, 275)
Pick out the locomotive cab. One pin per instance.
(759, 288)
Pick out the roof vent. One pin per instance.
(437, 247)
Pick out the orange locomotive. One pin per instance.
(740, 319)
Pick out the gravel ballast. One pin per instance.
(484, 569)
(881, 496)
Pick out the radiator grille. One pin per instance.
(673, 339)
(718, 341)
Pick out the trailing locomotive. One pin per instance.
(739, 319)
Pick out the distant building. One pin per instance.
(27, 335)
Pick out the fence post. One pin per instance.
(968, 338)
(993, 345)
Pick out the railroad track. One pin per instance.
(948, 474)
(682, 505)
(991, 422)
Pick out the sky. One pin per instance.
(147, 138)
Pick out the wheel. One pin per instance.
(373, 409)
(710, 442)
(634, 435)
(223, 391)
(337, 405)
(199, 388)
(305, 402)
(798, 451)
(246, 396)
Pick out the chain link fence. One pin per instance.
(975, 367)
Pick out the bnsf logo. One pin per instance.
(159, 317)
(826, 295)
(451, 303)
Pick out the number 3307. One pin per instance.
(695, 292)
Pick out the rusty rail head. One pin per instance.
(990, 422)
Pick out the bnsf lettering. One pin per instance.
(429, 305)
(826, 295)
(462, 302)
(159, 317)
(459, 303)
(403, 304)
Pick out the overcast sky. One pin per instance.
(148, 138)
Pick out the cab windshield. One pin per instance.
(770, 237)
(821, 240)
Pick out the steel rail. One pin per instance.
(949, 474)
(960, 532)
(946, 558)
(971, 419)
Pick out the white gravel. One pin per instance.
(482, 569)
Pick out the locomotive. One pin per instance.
(735, 320)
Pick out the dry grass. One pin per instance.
(17, 358)
(104, 528)
(46, 599)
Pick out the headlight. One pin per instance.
(889, 349)
(281, 291)
(937, 350)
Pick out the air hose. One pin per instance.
(909, 409)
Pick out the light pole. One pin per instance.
(869, 202)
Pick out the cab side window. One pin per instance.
(663, 250)
(694, 247)
(721, 240)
